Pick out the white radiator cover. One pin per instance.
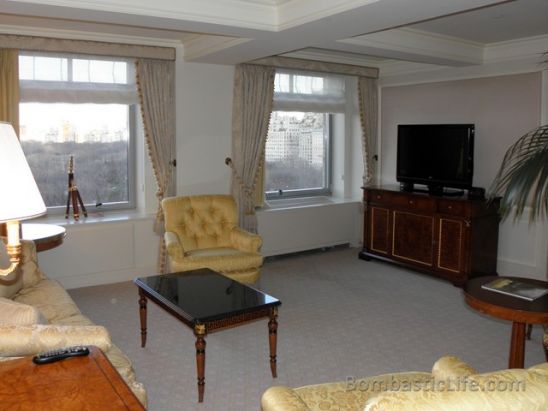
(297, 226)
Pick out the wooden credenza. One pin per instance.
(451, 237)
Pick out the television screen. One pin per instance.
(438, 155)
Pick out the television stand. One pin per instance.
(453, 238)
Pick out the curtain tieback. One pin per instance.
(248, 191)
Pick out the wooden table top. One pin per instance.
(78, 383)
(504, 306)
(45, 236)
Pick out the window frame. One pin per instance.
(328, 155)
(131, 202)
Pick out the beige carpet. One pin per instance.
(340, 316)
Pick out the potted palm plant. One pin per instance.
(522, 179)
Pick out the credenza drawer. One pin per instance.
(451, 207)
(407, 201)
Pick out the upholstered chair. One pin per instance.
(202, 232)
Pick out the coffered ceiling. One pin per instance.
(453, 33)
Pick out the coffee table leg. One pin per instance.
(200, 332)
(517, 346)
(272, 339)
(143, 316)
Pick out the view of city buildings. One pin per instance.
(295, 135)
(295, 151)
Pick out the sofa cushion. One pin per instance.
(12, 312)
(507, 390)
(353, 394)
(26, 275)
(20, 340)
(450, 368)
(12, 283)
(50, 298)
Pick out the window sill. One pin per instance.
(107, 217)
(303, 202)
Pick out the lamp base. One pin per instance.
(3, 230)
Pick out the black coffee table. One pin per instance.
(207, 301)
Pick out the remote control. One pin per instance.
(56, 355)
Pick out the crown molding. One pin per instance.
(503, 58)
(515, 49)
(202, 45)
(240, 13)
(91, 36)
(419, 45)
(297, 12)
(355, 60)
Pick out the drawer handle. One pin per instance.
(410, 201)
(378, 197)
(449, 207)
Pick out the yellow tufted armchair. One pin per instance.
(202, 232)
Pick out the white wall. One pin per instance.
(204, 127)
(503, 109)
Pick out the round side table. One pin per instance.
(45, 236)
(521, 312)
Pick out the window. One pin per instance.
(298, 146)
(82, 107)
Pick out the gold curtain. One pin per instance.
(9, 87)
(259, 187)
(252, 106)
(156, 88)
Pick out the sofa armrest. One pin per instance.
(173, 245)
(282, 399)
(22, 340)
(245, 241)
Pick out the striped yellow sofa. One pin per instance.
(451, 386)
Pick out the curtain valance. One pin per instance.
(318, 66)
(13, 41)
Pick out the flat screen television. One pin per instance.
(436, 155)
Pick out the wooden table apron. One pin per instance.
(519, 318)
(202, 329)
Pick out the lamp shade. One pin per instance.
(20, 198)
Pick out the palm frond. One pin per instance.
(523, 176)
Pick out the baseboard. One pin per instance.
(110, 277)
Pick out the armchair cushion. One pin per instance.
(173, 245)
(222, 259)
(21, 340)
(245, 241)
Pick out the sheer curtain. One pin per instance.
(156, 88)
(368, 105)
(252, 105)
(307, 91)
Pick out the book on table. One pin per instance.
(516, 288)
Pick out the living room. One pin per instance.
(463, 62)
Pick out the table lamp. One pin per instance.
(20, 198)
